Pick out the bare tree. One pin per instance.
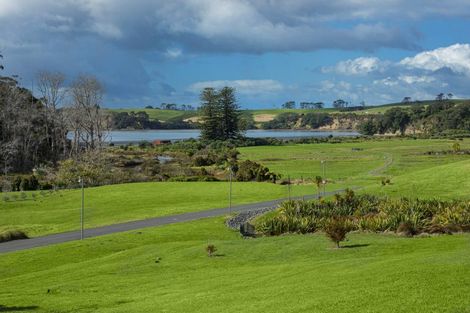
(89, 123)
(53, 92)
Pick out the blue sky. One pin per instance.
(147, 52)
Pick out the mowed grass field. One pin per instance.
(60, 211)
(406, 162)
(293, 273)
(359, 165)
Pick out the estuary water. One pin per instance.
(121, 136)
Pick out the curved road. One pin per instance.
(16, 245)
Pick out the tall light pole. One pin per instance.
(82, 211)
(230, 192)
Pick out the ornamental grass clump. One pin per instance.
(367, 213)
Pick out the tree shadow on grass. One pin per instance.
(17, 308)
(218, 255)
(355, 246)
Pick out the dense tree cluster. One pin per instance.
(296, 120)
(288, 105)
(173, 106)
(435, 118)
(311, 105)
(340, 103)
(220, 115)
(33, 131)
(30, 131)
(141, 120)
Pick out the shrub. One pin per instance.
(408, 228)
(13, 234)
(336, 229)
(249, 171)
(367, 213)
(210, 249)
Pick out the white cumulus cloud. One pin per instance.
(455, 57)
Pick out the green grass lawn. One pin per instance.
(59, 211)
(448, 181)
(365, 163)
(412, 173)
(293, 273)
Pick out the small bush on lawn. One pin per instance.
(337, 228)
(13, 234)
(210, 249)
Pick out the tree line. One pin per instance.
(141, 120)
(436, 118)
(34, 129)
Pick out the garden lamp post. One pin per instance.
(82, 210)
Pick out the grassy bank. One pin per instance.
(415, 167)
(294, 273)
(60, 211)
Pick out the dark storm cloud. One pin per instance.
(115, 38)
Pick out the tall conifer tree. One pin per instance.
(210, 127)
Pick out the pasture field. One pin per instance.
(407, 163)
(160, 115)
(267, 114)
(60, 211)
(165, 115)
(359, 165)
(292, 273)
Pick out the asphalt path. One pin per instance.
(35, 242)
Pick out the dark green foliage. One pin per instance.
(230, 113)
(219, 114)
(316, 120)
(368, 213)
(282, 121)
(13, 234)
(141, 120)
(368, 127)
(249, 171)
(288, 105)
(28, 136)
(396, 119)
(438, 118)
(340, 103)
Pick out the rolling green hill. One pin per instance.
(165, 269)
(262, 115)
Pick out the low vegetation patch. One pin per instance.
(12, 234)
(349, 212)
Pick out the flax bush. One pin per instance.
(367, 213)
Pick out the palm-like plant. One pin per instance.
(318, 182)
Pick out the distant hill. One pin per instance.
(258, 117)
